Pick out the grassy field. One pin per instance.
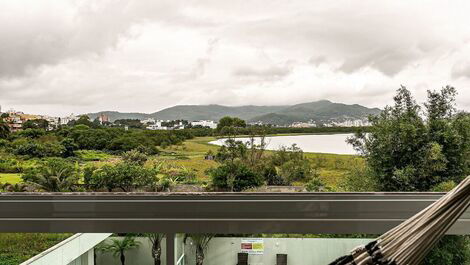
(11, 178)
(332, 167)
(16, 248)
(190, 155)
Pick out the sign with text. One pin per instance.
(253, 246)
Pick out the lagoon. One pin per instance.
(312, 143)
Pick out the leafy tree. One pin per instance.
(36, 124)
(232, 150)
(131, 123)
(37, 149)
(227, 122)
(201, 243)
(4, 129)
(52, 175)
(408, 150)
(69, 147)
(32, 133)
(156, 241)
(120, 247)
(83, 120)
(411, 149)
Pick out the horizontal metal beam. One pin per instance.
(222, 213)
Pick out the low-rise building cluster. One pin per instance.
(15, 119)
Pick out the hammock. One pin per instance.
(409, 242)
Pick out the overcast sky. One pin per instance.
(61, 56)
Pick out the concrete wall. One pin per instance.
(139, 256)
(300, 251)
(223, 251)
(75, 250)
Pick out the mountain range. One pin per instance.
(322, 111)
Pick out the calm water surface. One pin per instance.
(317, 143)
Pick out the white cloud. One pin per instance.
(60, 56)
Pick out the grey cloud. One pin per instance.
(273, 72)
(30, 39)
(461, 69)
(366, 35)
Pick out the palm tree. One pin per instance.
(54, 175)
(201, 243)
(119, 247)
(156, 240)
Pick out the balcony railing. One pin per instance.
(217, 213)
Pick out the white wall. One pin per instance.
(139, 256)
(75, 250)
(223, 251)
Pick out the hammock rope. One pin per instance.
(409, 242)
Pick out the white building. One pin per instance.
(203, 123)
(66, 120)
(148, 121)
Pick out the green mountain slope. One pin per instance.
(319, 111)
(213, 112)
(115, 115)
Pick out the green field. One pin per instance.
(11, 178)
(331, 167)
(16, 248)
(190, 155)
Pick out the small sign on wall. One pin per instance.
(253, 246)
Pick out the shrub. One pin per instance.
(36, 149)
(10, 166)
(296, 170)
(315, 184)
(135, 157)
(123, 176)
(53, 174)
(235, 176)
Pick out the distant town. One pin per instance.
(16, 119)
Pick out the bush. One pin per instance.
(10, 166)
(297, 170)
(123, 176)
(235, 176)
(36, 149)
(4, 143)
(179, 173)
(92, 155)
(315, 184)
(53, 175)
(451, 250)
(135, 157)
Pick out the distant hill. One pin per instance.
(115, 115)
(213, 112)
(319, 111)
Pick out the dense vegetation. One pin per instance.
(16, 248)
(409, 148)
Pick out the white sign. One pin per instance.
(254, 246)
